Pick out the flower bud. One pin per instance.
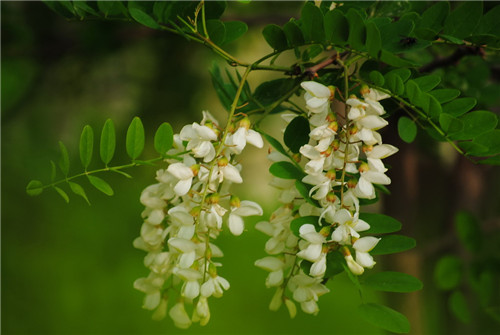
(212, 270)
(245, 123)
(325, 231)
(327, 152)
(331, 197)
(222, 162)
(213, 198)
(332, 175)
(351, 183)
(296, 157)
(276, 300)
(235, 201)
(363, 167)
(195, 212)
(335, 145)
(364, 90)
(331, 117)
(195, 168)
(292, 309)
(333, 126)
(353, 130)
(367, 148)
(332, 92)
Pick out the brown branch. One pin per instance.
(461, 52)
(311, 72)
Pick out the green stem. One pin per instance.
(347, 125)
(108, 168)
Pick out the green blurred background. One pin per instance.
(69, 268)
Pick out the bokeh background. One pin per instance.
(69, 268)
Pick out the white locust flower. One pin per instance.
(307, 290)
(275, 266)
(314, 252)
(179, 316)
(243, 135)
(191, 287)
(200, 140)
(185, 175)
(348, 226)
(151, 286)
(369, 176)
(239, 209)
(363, 246)
(214, 286)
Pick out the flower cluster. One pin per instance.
(184, 214)
(342, 163)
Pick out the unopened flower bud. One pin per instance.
(353, 130)
(235, 201)
(334, 126)
(222, 162)
(364, 90)
(195, 168)
(367, 148)
(292, 309)
(331, 117)
(352, 183)
(245, 123)
(212, 270)
(325, 231)
(195, 212)
(296, 157)
(332, 175)
(213, 198)
(332, 92)
(208, 253)
(276, 301)
(331, 197)
(327, 152)
(363, 167)
(335, 145)
(231, 128)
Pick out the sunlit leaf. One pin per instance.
(108, 141)
(64, 161)
(78, 190)
(384, 317)
(135, 138)
(286, 170)
(62, 194)
(86, 146)
(407, 129)
(380, 223)
(392, 244)
(390, 281)
(34, 187)
(101, 185)
(164, 138)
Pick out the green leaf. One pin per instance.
(299, 222)
(267, 92)
(434, 16)
(448, 272)
(427, 83)
(407, 129)
(384, 317)
(433, 107)
(489, 23)
(491, 141)
(126, 175)
(403, 73)
(275, 144)
(450, 124)
(234, 30)
(293, 34)
(34, 187)
(216, 31)
(62, 194)
(377, 78)
(286, 170)
(413, 92)
(460, 106)
(390, 281)
(111, 7)
(135, 138)
(86, 146)
(336, 27)
(101, 185)
(312, 23)
(137, 12)
(357, 30)
(373, 40)
(108, 141)
(53, 171)
(380, 223)
(476, 123)
(445, 95)
(78, 190)
(459, 307)
(335, 264)
(464, 19)
(394, 83)
(64, 161)
(164, 138)
(490, 161)
(392, 244)
(393, 60)
(468, 231)
(82, 7)
(275, 37)
(304, 190)
(297, 133)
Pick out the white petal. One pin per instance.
(192, 289)
(151, 301)
(270, 264)
(361, 226)
(376, 178)
(248, 208)
(311, 253)
(232, 174)
(365, 244)
(236, 224)
(342, 216)
(373, 122)
(179, 316)
(255, 139)
(208, 288)
(187, 133)
(180, 171)
(319, 267)
(365, 187)
(182, 187)
(307, 228)
(204, 132)
(353, 266)
(316, 89)
(317, 104)
(365, 260)
(382, 151)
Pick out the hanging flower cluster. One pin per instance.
(343, 162)
(184, 214)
